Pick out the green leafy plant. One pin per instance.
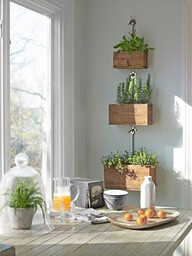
(132, 43)
(147, 91)
(132, 91)
(115, 159)
(26, 194)
(139, 157)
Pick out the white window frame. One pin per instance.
(4, 86)
(62, 94)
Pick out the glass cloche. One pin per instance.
(22, 201)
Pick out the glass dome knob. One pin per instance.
(21, 160)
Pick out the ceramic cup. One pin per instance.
(115, 199)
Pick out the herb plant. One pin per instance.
(26, 194)
(139, 157)
(133, 43)
(132, 91)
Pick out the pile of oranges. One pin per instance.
(144, 215)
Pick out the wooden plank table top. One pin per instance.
(76, 239)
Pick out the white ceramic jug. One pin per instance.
(147, 193)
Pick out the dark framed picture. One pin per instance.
(96, 189)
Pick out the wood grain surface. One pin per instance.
(131, 179)
(133, 114)
(82, 239)
(125, 60)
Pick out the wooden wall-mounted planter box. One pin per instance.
(134, 60)
(130, 179)
(133, 114)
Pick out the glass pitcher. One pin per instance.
(62, 193)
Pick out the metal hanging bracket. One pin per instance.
(132, 131)
(132, 22)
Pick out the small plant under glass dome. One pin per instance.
(23, 201)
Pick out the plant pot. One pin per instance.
(132, 114)
(22, 219)
(130, 179)
(134, 60)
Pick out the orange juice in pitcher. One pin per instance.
(62, 194)
(59, 200)
(66, 202)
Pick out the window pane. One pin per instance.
(29, 84)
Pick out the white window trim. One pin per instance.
(62, 144)
(4, 87)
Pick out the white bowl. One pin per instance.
(115, 199)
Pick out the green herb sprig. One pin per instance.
(139, 157)
(132, 43)
(132, 91)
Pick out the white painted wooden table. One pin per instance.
(104, 239)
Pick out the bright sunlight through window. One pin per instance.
(29, 85)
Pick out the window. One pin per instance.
(29, 85)
(36, 85)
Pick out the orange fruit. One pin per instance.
(141, 220)
(143, 216)
(149, 213)
(140, 212)
(153, 210)
(161, 214)
(128, 217)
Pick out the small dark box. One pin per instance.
(90, 193)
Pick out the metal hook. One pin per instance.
(132, 22)
(132, 131)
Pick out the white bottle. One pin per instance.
(147, 193)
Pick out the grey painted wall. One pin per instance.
(99, 25)
(80, 71)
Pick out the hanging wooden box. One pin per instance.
(134, 60)
(130, 179)
(132, 114)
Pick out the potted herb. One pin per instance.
(132, 51)
(22, 202)
(134, 102)
(126, 171)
